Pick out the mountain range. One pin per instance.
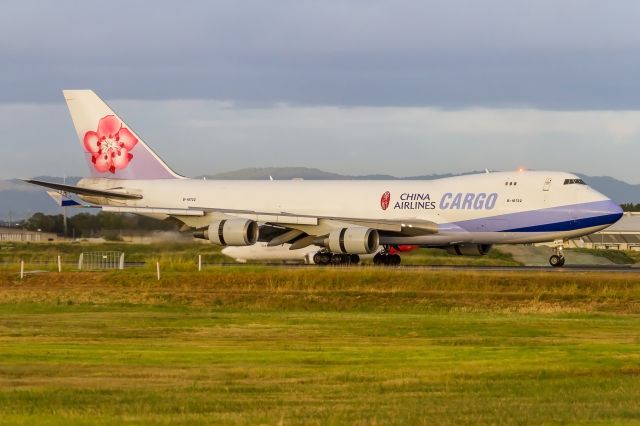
(19, 200)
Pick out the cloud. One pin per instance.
(203, 137)
(405, 87)
(548, 54)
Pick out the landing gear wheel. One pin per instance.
(325, 258)
(354, 259)
(317, 259)
(337, 259)
(386, 259)
(556, 261)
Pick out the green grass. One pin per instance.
(426, 256)
(183, 256)
(616, 256)
(258, 345)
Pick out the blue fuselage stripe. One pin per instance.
(553, 219)
(570, 225)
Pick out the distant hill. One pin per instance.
(279, 173)
(287, 173)
(20, 200)
(619, 191)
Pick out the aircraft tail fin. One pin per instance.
(112, 149)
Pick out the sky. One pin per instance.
(360, 87)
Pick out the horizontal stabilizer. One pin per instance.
(153, 210)
(84, 191)
(62, 200)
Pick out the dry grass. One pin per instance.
(319, 346)
(265, 288)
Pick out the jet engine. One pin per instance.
(231, 232)
(354, 240)
(469, 249)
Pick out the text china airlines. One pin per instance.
(449, 201)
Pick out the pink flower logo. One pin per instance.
(384, 200)
(111, 145)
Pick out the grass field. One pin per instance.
(183, 256)
(257, 345)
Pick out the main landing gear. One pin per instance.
(386, 258)
(327, 258)
(557, 259)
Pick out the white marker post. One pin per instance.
(21, 269)
(199, 262)
(158, 270)
(59, 264)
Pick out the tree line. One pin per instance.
(630, 207)
(85, 225)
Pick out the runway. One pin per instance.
(630, 269)
(567, 268)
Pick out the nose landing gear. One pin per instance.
(557, 259)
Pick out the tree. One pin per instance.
(630, 207)
(90, 225)
(45, 223)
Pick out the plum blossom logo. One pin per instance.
(110, 146)
(384, 200)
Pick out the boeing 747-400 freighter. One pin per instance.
(464, 214)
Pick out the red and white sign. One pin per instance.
(384, 200)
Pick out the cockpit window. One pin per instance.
(574, 182)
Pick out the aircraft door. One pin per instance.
(545, 190)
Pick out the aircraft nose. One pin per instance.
(613, 211)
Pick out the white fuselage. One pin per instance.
(501, 207)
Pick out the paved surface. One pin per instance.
(566, 268)
(539, 256)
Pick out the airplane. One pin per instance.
(464, 215)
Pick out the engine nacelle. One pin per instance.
(231, 232)
(469, 249)
(354, 240)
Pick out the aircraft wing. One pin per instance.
(404, 226)
(290, 220)
(285, 219)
